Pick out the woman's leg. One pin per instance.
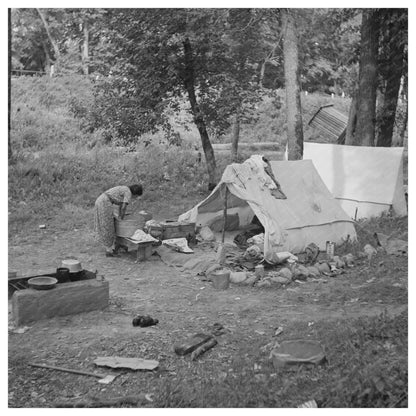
(104, 223)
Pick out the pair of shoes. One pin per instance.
(121, 247)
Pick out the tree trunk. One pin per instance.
(189, 82)
(85, 52)
(235, 137)
(350, 137)
(292, 87)
(47, 67)
(53, 43)
(393, 73)
(9, 76)
(367, 84)
(404, 125)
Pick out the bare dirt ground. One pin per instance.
(183, 305)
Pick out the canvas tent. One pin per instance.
(366, 180)
(309, 214)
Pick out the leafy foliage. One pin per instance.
(151, 72)
(329, 49)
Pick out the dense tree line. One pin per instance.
(145, 62)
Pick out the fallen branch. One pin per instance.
(203, 348)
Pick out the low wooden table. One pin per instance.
(144, 250)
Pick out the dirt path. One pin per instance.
(184, 305)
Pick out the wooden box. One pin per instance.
(177, 230)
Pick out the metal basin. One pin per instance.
(42, 282)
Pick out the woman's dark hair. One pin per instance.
(136, 189)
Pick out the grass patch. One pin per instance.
(367, 367)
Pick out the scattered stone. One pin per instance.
(286, 273)
(280, 280)
(314, 271)
(238, 277)
(340, 264)
(250, 280)
(324, 268)
(369, 250)
(264, 283)
(301, 272)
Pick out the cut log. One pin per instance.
(203, 348)
(191, 344)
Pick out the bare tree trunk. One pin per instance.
(393, 74)
(48, 60)
(53, 43)
(292, 86)
(9, 13)
(367, 84)
(189, 82)
(404, 126)
(235, 137)
(350, 138)
(85, 51)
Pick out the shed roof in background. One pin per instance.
(330, 121)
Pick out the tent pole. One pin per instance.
(225, 214)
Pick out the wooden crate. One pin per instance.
(177, 230)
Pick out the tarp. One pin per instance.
(309, 214)
(366, 180)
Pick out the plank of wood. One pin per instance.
(67, 370)
(126, 362)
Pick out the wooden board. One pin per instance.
(125, 362)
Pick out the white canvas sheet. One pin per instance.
(366, 180)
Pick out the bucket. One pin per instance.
(220, 279)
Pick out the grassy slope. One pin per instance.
(56, 170)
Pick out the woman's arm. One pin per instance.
(122, 211)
